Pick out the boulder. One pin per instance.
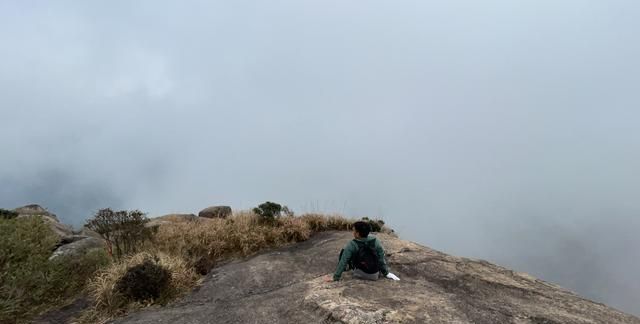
(178, 218)
(172, 218)
(77, 248)
(51, 219)
(71, 239)
(87, 232)
(60, 229)
(34, 210)
(215, 212)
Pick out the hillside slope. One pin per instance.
(285, 286)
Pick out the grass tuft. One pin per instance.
(110, 301)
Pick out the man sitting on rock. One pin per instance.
(364, 255)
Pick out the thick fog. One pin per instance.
(501, 130)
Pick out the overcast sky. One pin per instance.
(501, 130)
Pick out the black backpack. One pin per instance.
(366, 259)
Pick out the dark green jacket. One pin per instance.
(351, 249)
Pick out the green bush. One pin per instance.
(144, 282)
(7, 214)
(29, 282)
(376, 225)
(124, 231)
(268, 211)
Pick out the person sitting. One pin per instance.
(364, 255)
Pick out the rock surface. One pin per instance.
(286, 286)
(84, 231)
(78, 247)
(60, 229)
(33, 210)
(172, 218)
(216, 212)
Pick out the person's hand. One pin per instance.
(392, 276)
(327, 278)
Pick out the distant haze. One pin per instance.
(501, 130)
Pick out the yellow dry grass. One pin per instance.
(239, 235)
(183, 246)
(321, 222)
(109, 302)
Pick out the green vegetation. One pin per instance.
(376, 225)
(29, 282)
(7, 214)
(268, 211)
(151, 265)
(124, 231)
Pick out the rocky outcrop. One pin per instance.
(34, 210)
(177, 218)
(70, 244)
(51, 219)
(172, 218)
(60, 229)
(286, 286)
(216, 212)
(84, 231)
(77, 248)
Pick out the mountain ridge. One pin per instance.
(285, 285)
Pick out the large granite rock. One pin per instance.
(77, 248)
(172, 218)
(286, 286)
(84, 231)
(51, 219)
(216, 212)
(178, 218)
(33, 210)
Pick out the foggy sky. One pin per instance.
(501, 130)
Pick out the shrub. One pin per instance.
(124, 231)
(376, 225)
(143, 281)
(320, 223)
(292, 229)
(268, 211)
(29, 282)
(111, 298)
(7, 214)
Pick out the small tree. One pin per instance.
(268, 211)
(124, 231)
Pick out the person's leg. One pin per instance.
(357, 273)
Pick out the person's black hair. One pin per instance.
(363, 228)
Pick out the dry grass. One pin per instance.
(239, 235)
(213, 240)
(109, 302)
(320, 222)
(186, 248)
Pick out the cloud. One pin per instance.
(480, 129)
